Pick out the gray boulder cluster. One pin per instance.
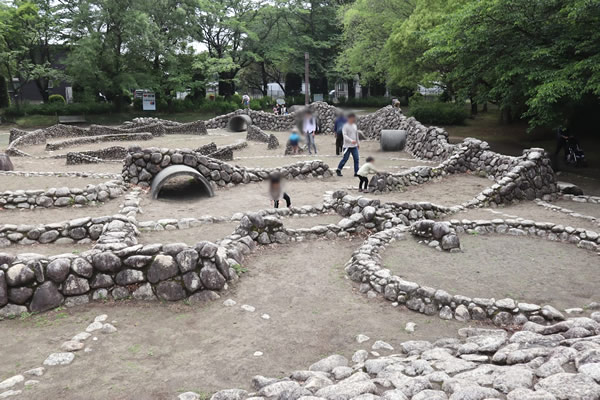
(440, 235)
(141, 165)
(168, 127)
(61, 197)
(537, 363)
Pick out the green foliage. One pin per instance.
(373, 101)
(57, 108)
(4, 97)
(56, 98)
(438, 113)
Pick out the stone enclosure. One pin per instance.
(506, 348)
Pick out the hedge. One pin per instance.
(438, 113)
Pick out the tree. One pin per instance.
(367, 25)
(26, 48)
(537, 60)
(4, 98)
(222, 25)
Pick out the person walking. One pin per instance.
(309, 127)
(339, 136)
(351, 144)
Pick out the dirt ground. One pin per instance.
(60, 165)
(590, 209)
(309, 222)
(527, 210)
(161, 350)
(448, 191)
(59, 214)
(44, 182)
(191, 236)
(528, 269)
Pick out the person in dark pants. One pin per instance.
(276, 192)
(562, 138)
(339, 135)
(351, 144)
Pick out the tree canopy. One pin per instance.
(535, 59)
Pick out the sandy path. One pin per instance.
(161, 350)
(44, 182)
(58, 214)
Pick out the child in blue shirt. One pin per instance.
(294, 140)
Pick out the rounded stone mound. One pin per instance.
(177, 170)
(239, 123)
(392, 140)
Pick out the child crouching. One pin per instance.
(364, 172)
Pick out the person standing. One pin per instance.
(351, 144)
(339, 136)
(309, 127)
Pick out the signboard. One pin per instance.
(318, 97)
(149, 102)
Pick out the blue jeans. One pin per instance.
(354, 152)
(310, 141)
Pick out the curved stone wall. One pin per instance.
(141, 165)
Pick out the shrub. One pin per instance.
(236, 98)
(56, 98)
(437, 113)
(15, 111)
(373, 101)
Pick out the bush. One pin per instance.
(437, 113)
(377, 102)
(236, 98)
(56, 98)
(15, 111)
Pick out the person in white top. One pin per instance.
(309, 127)
(351, 144)
(246, 101)
(363, 174)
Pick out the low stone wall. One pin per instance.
(374, 215)
(98, 139)
(109, 154)
(141, 165)
(61, 197)
(384, 118)
(324, 112)
(166, 127)
(365, 267)
(583, 238)
(81, 231)
(526, 177)
(439, 235)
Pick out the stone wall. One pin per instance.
(97, 139)
(80, 230)
(516, 178)
(141, 165)
(61, 197)
(167, 127)
(114, 153)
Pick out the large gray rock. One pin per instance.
(58, 269)
(211, 278)
(5, 163)
(82, 268)
(75, 285)
(162, 268)
(567, 386)
(19, 275)
(229, 394)
(20, 295)
(187, 260)
(129, 276)
(329, 363)
(46, 297)
(106, 262)
(170, 291)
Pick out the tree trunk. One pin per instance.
(484, 108)
(473, 107)
(226, 84)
